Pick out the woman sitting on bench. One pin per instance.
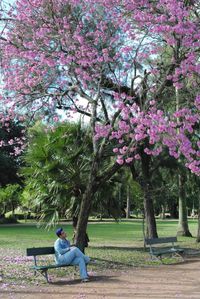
(70, 255)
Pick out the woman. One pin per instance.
(70, 255)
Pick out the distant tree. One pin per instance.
(11, 134)
(9, 198)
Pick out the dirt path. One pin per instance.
(165, 281)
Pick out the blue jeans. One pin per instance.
(75, 257)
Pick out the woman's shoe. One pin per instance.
(85, 279)
(92, 261)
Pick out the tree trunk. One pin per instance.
(174, 210)
(94, 182)
(13, 209)
(83, 219)
(128, 202)
(2, 214)
(183, 229)
(151, 230)
(85, 208)
(163, 213)
(198, 232)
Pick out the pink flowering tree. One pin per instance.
(104, 59)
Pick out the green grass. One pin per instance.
(115, 245)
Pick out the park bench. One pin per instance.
(43, 269)
(157, 248)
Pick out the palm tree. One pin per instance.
(56, 172)
(56, 165)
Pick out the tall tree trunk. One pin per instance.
(94, 182)
(13, 209)
(128, 202)
(183, 229)
(2, 214)
(163, 212)
(85, 207)
(173, 209)
(83, 218)
(151, 230)
(198, 232)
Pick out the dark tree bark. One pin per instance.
(83, 218)
(163, 216)
(94, 182)
(128, 202)
(198, 232)
(151, 230)
(173, 209)
(145, 183)
(86, 206)
(183, 229)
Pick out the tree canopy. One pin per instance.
(56, 52)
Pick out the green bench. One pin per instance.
(43, 269)
(157, 249)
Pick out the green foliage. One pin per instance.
(165, 188)
(128, 184)
(56, 169)
(9, 163)
(192, 186)
(9, 198)
(56, 174)
(107, 202)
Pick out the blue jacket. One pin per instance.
(61, 247)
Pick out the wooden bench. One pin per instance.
(43, 269)
(157, 249)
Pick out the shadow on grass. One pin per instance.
(111, 262)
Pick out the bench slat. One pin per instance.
(48, 267)
(39, 251)
(165, 251)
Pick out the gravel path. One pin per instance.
(181, 280)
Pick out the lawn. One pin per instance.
(115, 245)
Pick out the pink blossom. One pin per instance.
(120, 160)
(115, 150)
(100, 52)
(129, 160)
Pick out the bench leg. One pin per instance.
(156, 258)
(177, 254)
(160, 259)
(45, 274)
